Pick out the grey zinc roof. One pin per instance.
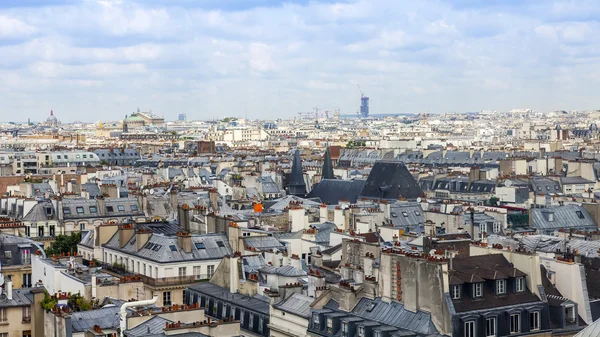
(255, 304)
(92, 189)
(20, 299)
(288, 271)
(154, 325)
(127, 203)
(87, 239)
(331, 191)
(549, 244)
(394, 314)
(545, 185)
(390, 180)
(296, 304)
(38, 212)
(592, 330)
(567, 216)
(262, 242)
(158, 248)
(406, 214)
(106, 317)
(324, 232)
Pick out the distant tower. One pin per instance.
(327, 171)
(297, 186)
(364, 106)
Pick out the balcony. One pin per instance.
(118, 271)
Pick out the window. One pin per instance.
(197, 272)
(469, 329)
(27, 231)
(3, 315)
(93, 209)
(316, 323)
(166, 298)
(490, 327)
(26, 314)
(345, 329)
(138, 267)
(580, 215)
(40, 231)
(210, 270)
(134, 208)
(477, 290)
(79, 210)
(497, 227)
(173, 248)
(26, 280)
(220, 244)
(82, 226)
(182, 271)
(515, 323)
(110, 209)
(150, 271)
(200, 245)
(520, 281)
(405, 214)
(121, 208)
(417, 213)
(551, 217)
(25, 256)
(52, 230)
(455, 292)
(329, 325)
(260, 324)
(66, 210)
(144, 269)
(534, 320)
(251, 319)
(570, 314)
(361, 331)
(500, 287)
(4, 334)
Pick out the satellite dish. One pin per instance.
(419, 199)
(508, 183)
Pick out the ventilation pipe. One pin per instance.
(123, 312)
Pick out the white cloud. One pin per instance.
(11, 28)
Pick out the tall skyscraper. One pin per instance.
(364, 106)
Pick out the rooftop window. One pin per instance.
(173, 248)
(121, 208)
(79, 210)
(66, 210)
(220, 244)
(580, 214)
(110, 209)
(93, 209)
(200, 245)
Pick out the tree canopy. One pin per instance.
(64, 244)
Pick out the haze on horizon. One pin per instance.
(99, 60)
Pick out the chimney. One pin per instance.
(101, 205)
(296, 262)
(174, 201)
(184, 239)
(141, 238)
(126, 232)
(183, 215)
(213, 196)
(316, 282)
(9, 288)
(94, 284)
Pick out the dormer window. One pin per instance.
(570, 317)
(455, 292)
(330, 325)
(345, 329)
(520, 284)
(580, 214)
(551, 217)
(316, 323)
(477, 290)
(500, 287)
(361, 331)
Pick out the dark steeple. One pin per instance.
(297, 186)
(327, 171)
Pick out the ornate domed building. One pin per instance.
(51, 120)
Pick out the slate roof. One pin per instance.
(159, 248)
(324, 232)
(297, 304)
(262, 242)
(390, 180)
(92, 189)
(296, 185)
(545, 185)
(567, 216)
(487, 268)
(331, 191)
(129, 206)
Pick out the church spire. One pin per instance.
(297, 186)
(327, 171)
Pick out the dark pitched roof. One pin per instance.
(390, 180)
(327, 172)
(331, 191)
(297, 186)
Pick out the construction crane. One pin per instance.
(360, 90)
(305, 114)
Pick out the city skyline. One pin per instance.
(271, 59)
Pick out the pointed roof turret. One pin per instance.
(327, 171)
(297, 186)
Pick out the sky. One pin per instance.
(95, 60)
